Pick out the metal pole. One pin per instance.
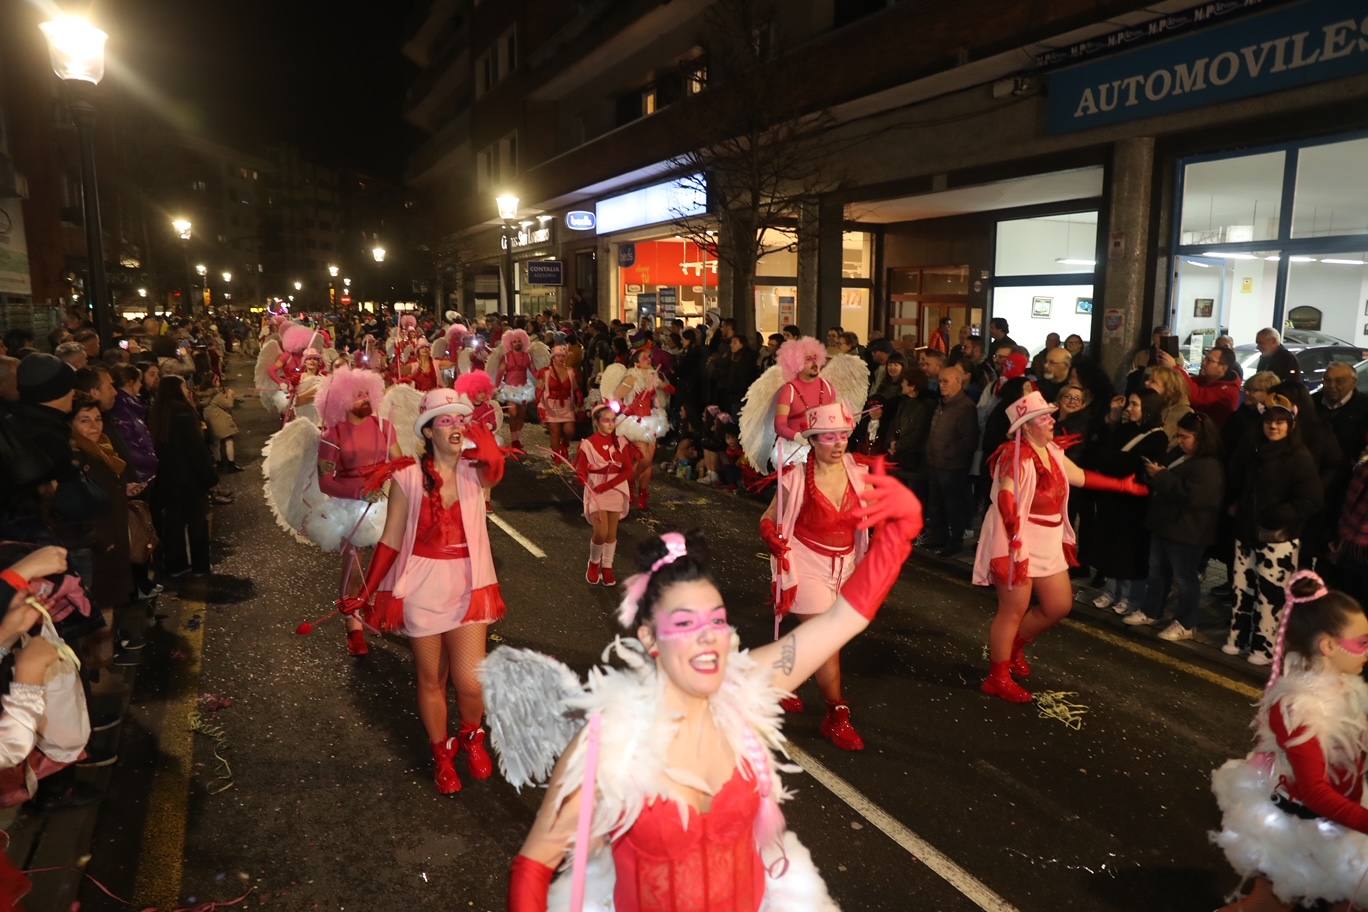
(83, 113)
(508, 268)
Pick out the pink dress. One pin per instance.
(605, 461)
(1048, 539)
(354, 450)
(824, 545)
(559, 403)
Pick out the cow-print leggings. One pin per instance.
(1261, 571)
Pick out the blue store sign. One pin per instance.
(580, 220)
(1296, 45)
(546, 272)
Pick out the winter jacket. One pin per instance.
(1113, 537)
(1217, 399)
(183, 458)
(129, 415)
(1185, 499)
(911, 428)
(1275, 489)
(1349, 422)
(954, 435)
(1282, 362)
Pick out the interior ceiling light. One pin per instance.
(1273, 259)
(1301, 259)
(1229, 256)
(1199, 265)
(1075, 261)
(1342, 262)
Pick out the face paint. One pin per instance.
(1356, 646)
(831, 438)
(684, 623)
(449, 421)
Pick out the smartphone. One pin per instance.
(1170, 345)
(123, 343)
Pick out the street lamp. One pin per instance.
(182, 228)
(76, 48)
(142, 292)
(182, 225)
(227, 276)
(298, 285)
(203, 272)
(508, 212)
(333, 270)
(379, 253)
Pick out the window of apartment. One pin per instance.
(695, 78)
(485, 174)
(199, 185)
(648, 100)
(507, 53)
(508, 155)
(484, 74)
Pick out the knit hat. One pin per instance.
(44, 378)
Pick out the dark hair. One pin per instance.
(82, 401)
(851, 339)
(999, 323)
(1227, 356)
(895, 358)
(686, 569)
(689, 335)
(1201, 427)
(776, 337)
(170, 398)
(794, 331)
(1151, 408)
(87, 379)
(1325, 616)
(916, 377)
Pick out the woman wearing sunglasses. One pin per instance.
(811, 530)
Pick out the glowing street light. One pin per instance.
(142, 292)
(347, 282)
(76, 48)
(227, 276)
(333, 270)
(201, 269)
(508, 212)
(508, 206)
(298, 285)
(379, 253)
(182, 228)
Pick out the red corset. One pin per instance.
(557, 390)
(515, 365)
(820, 525)
(712, 866)
(425, 380)
(1051, 490)
(641, 404)
(440, 535)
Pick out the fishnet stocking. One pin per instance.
(452, 656)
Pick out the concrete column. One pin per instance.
(819, 266)
(1127, 241)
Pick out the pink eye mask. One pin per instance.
(1356, 647)
(688, 624)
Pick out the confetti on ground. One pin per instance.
(215, 733)
(1053, 704)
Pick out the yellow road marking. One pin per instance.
(161, 862)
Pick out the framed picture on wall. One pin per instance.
(1202, 307)
(1040, 307)
(1083, 305)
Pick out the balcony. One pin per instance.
(434, 88)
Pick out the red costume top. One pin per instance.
(1051, 493)
(424, 380)
(288, 373)
(800, 395)
(558, 390)
(440, 535)
(712, 865)
(484, 414)
(355, 449)
(515, 366)
(820, 525)
(614, 462)
(1334, 793)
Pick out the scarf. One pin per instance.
(103, 451)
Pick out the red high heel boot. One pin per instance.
(999, 684)
(793, 705)
(472, 741)
(837, 729)
(356, 642)
(1018, 665)
(443, 772)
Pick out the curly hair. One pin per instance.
(794, 353)
(473, 383)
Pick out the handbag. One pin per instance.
(142, 533)
(65, 727)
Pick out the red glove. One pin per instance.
(1068, 441)
(1011, 518)
(774, 540)
(380, 565)
(376, 477)
(898, 515)
(1092, 481)
(486, 453)
(528, 885)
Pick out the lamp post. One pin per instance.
(203, 272)
(508, 213)
(378, 254)
(182, 226)
(333, 270)
(76, 48)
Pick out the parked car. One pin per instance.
(1362, 370)
(1314, 358)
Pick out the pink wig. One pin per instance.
(408, 321)
(794, 353)
(277, 320)
(296, 337)
(473, 383)
(455, 336)
(515, 335)
(337, 393)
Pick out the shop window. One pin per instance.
(1049, 245)
(1233, 200)
(1035, 311)
(782, 256)
(1223, 294)
(1331, 196)
(855, 311)
(1327, 294)
(857, 250)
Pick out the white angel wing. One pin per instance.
(329, 356)
(439, 348)
(757, 417)
(611, 379)
(526, 695)
(266, 387)
(289, 463)
(541, 355)
(493, 362)
(401, 406)
(849, 376)
(463, 365)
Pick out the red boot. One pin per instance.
(472, 741)
(608, 578)
(591, 575)
(1018, 665)
(793, 705)
(837, 729)
(356, 642)
(443, 772)
(999, 684)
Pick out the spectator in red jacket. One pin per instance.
(1215, 391)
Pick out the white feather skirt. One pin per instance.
(518, 395)
(275, 401)
(1305, 860)
(644, 430)
(329, 521)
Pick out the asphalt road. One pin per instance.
(331, 804)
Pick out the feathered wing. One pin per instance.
(462, 359)
(611, 379)
(266, 387)
(289, 464)
(526, 696)
(439, 348)
(401, 406)
(757, 417)
(849, 376)
(329, 356)
(494, 361)
(541, 355)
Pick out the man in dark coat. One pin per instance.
(954, 437)
(1274, 357)
(1344, 409)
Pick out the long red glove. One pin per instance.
(528, 885)
(898, 515)
(774, 540)
(1011, 517)
(1093, 481)
(1068, 441)
(1310, 785)
(380, 565)
(376, 477)
(486, 453)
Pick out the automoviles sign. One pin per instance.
(1291, 46)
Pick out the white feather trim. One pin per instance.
(610, 379)
(526, 695)
(644, 430)
(541, 355)
(1332, 707)
(493, 362)
(401, 407)
(271, 399)
(519, 395)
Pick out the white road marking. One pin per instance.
(517, 536)
(976, 891)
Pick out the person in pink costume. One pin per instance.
(1026, 546)
(605, 464)
(801, 361)
(516, 385)
(811, 531)
(434, 559)
(355, 445)
(456, 340)
(294, 340)
(558, 395)
(422, 371)
(478, 389)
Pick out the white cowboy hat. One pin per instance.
(1031, 405)
(833, 416)
(438, 402)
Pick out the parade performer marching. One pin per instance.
(403, 347)
(434, 560)
(478, 389)
(558, 395)
(303, 404)
(1027, 543)
(643, 396)
(514, 365)
(1292, 813)
(422, 372)
(280, 364)
(605, 464)
(453, 356)
(668, 796)
(811, 531)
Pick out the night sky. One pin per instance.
(327, 77)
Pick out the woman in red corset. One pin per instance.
(682, 808)
(422, 372)
(558, 394)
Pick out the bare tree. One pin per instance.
(766, 154)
